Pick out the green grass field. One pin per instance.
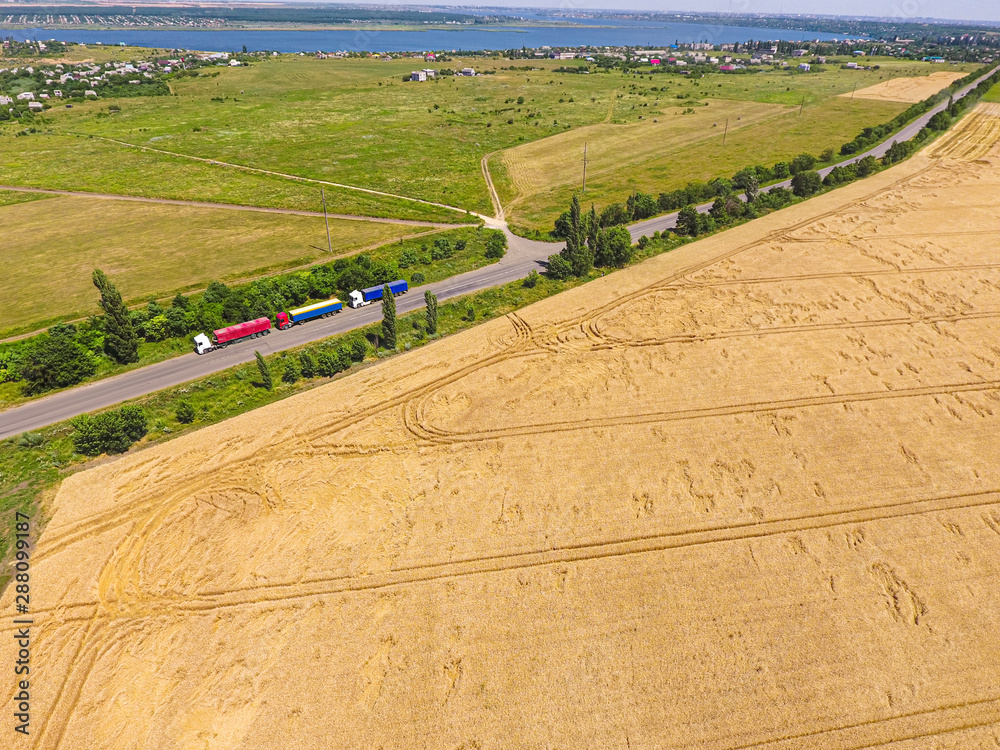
(656, 142)
(152, 250)
(993, 95)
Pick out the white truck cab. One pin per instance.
(202, 343)
(357, 299)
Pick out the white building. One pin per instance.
(418, 75)
(468, 72)
(36, 106)
(804, 67)
(6, 99)
(90, 92)
(26, 96)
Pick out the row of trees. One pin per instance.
(67, 354)
(327, 361)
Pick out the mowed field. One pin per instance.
(151, 249)
(356, 123)
(656, 142)
(908, 89)
(743, 495)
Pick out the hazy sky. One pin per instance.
(973, 10)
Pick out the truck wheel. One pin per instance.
(267, 332)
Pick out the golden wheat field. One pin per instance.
(743, 495)
(908, 89)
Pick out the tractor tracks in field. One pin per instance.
(281, 594)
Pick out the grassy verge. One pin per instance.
(469, 259)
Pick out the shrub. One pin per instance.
(531, 280)
(559, 267)
(292, 372)
(110, 432)
(56, 360)
(185, 413)
(417, 278)
(307, 364)
(496, 244)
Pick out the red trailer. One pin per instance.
(231, 334)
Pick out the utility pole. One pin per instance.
(726, 132)
(585, 167)
(801, 106)
(326, 220)
(855, 89)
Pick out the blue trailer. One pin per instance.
(373, 293)
(302, 314)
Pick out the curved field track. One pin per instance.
(744, 495)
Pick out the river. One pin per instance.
(594, 33)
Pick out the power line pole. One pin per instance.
(585, 167)
(726, 132)
(801, 106)
(326, 221)
(855, 89)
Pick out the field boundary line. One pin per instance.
(225, 206)
(272, 173)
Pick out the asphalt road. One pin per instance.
(669, 221)
(522, 256)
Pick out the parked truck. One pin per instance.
(373, 293)
(302, 314)
(231, 334)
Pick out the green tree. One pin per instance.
(614, 247)
(531, 280)
(687, 220)
(432, 312)
(121, 342)
(266, 378)
(388, 318)
(559, 267)
(806, 183)
(57, 360)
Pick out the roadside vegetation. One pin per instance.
(32, 464)
(156, 251)
(741, 197)
(69, 354)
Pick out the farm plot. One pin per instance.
(743, 495)
(908, 89)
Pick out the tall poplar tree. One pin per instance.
(388, 318)
(121, 342)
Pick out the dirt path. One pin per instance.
(227, 206)
(285, 175)
(497, 206)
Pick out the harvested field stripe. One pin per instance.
(211, 601)
(439, 435)
(848, 274)
(608, 342)
(945, 719)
